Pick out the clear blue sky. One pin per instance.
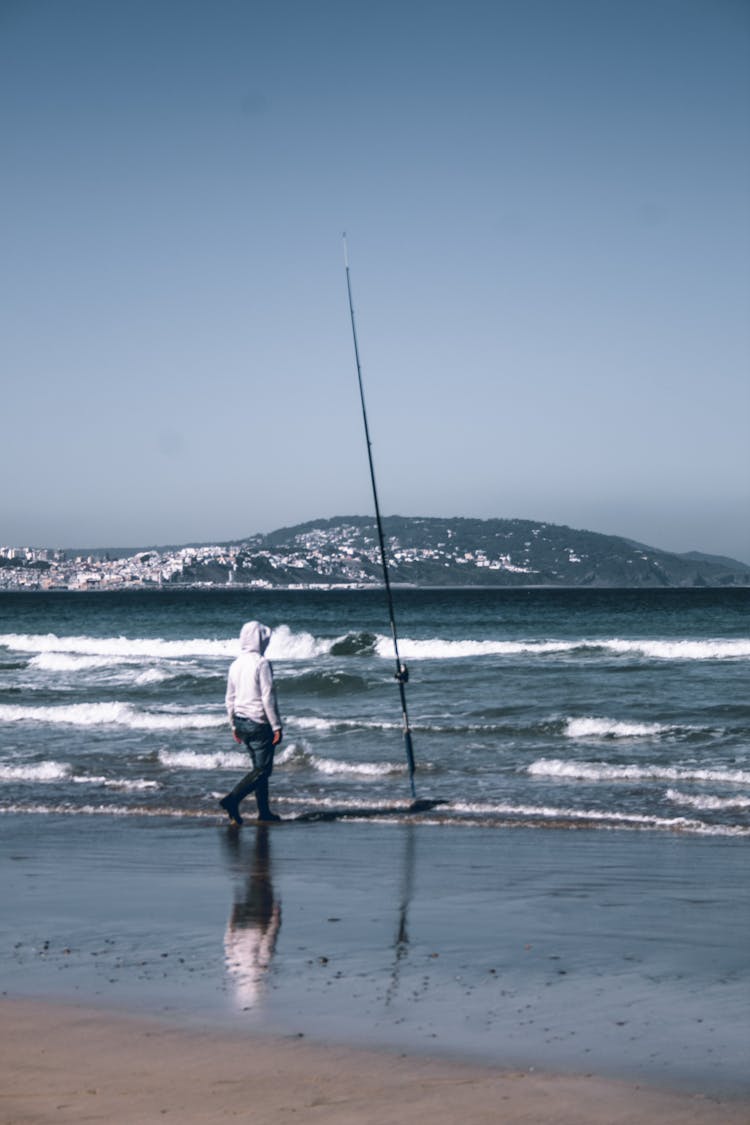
(547, 205)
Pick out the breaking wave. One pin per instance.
(611, 728)
(110, 714)
(55, 652)
(44, 771)
(355, 644)
(298, 756)
(682, 650)
(600, 771)
(706, 801)
(189, 760)
(437, 649)
(313, 722)
(285, 645)
(294, 756)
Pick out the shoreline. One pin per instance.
(348, 587)
(62, 1062)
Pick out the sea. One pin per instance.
(599, 710)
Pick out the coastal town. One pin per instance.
(320, 557)
(345, 552)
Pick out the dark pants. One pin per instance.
(258, 738)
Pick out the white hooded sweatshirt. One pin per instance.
(250, 689)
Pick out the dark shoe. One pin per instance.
(231, 808)
(268, 818)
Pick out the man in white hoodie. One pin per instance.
(254, 717)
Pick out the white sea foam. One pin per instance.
(118, 648)
(66, 809)
(611, 728)
(43, 771)
(601, 771)
(680, 650)
(285, 645)
(437, 649)
(188, 760)
(64, 662)
(132, 785)
(313, 722)
(152, 676)
(292, 755)
(565, 813)
(289, 646)
(606, 819)
(706, 801)
(298, 755)
(111, 714)
(332, 766)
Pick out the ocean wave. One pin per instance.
(611, 728)
(127, 670)
(66, 808)
(117, 648)
(681, 649)
(110, 714)
(285, 645)
(65, 662)
(42, 771)
(567, 813)
(706, 801)
(189, 760)
(152, 676)
(324, 682)
(601, 771)
(299, 756)
(122, 784)
(294, 756)
(437, 649)
(355, 644)
(313, 722)
(509, 814)
(55, 652)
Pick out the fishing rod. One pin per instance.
(402, 675)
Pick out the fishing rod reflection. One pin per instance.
(255, 919)
(401, 942)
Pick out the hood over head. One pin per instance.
(254, 637)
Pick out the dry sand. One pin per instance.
(64, 1063)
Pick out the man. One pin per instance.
(254, 717)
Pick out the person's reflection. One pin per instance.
(254, 923)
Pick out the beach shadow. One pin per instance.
(254, 922)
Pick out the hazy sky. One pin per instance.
(547, 206)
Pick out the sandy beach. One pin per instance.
(370, 972)
(61, 1063)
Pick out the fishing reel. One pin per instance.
(402, 676)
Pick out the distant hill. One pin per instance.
(472, 552)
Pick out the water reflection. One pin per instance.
(401, 943)
(255, 920)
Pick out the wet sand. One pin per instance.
(359, 972)
(60, 1063)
